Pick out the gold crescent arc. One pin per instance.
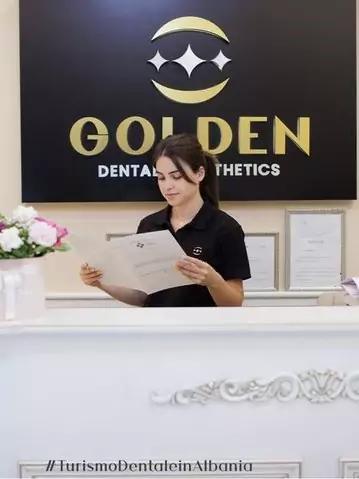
(195, 24)
(190, 96)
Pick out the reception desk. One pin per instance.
(274, 387)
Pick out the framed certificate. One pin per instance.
(110, 236)
(314, 249)
(262, 249)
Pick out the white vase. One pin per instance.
(22, 289)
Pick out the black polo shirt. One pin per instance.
(212, 236)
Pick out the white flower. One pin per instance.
(9, 239)
(24, 214)
(42, 234)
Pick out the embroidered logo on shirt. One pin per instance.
(197, 250)
(140, 245)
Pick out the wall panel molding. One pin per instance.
(317, 387)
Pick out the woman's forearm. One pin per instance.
(224, 294)
(130, 296)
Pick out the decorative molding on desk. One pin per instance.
(260, 469)
(349, 468)
(249, 294)
(342, 320)
(315, 386)
(254, 298)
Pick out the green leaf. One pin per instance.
(63, 247)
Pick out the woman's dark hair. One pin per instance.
(187, 148)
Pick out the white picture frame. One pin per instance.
(263, 255)
(261, 469)
(314, 249)
(111, 236)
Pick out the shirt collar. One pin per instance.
(199, 222)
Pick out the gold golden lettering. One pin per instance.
(101, 137)
(167, 126)
(281, 131)
(226, 136)
(245, 135)
(148, 135)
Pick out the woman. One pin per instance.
(217, 260)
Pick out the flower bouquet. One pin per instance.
(25, 237)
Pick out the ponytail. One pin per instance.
(209, 187)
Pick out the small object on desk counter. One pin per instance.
(351, 286)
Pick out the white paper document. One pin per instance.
(351, 286)
(261, 256)
(315, 251)
(144, 261)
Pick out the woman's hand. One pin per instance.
(199, 271)
(90, 276)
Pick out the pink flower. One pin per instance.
(61, 232)
(42, 233)
(2, 226)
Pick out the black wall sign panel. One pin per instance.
(270, 85)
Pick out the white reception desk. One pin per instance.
(274, 387)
